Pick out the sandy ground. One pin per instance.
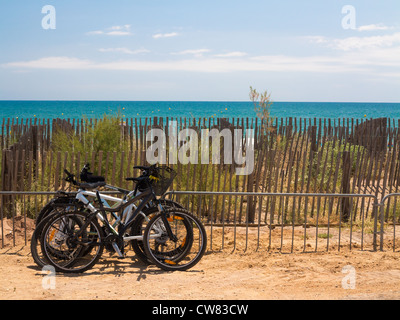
(220, 275)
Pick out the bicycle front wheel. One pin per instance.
(181, 253)
(139, 226)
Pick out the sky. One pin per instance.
(158, 50)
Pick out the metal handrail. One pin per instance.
(376, 203)
(259, 194)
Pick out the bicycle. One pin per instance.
(174, 239)
(75, 201)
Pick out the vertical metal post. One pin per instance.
(375, 208)
(378, 216)
(382, 214)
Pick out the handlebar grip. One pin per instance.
(70, 178)
(133, 179)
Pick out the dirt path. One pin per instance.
(220, 275)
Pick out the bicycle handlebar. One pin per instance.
(70, 177)
(147, 171)
(67, 172)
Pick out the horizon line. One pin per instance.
(227, 101)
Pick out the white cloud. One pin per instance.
(260, 63)
(377, 57)
(124, 50)
(124, 27)
(200, 52)
(316, 39)
(196, 52)
(124, 30)
(94, 32)
(374, 27)
(118, 33)
(371, 55)
(192, 51)
(357, 43)
(235, 54)
(53, 63)
(165, 35)
(352, 43)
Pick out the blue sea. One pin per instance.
(176, 109)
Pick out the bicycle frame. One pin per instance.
(128, 208)
(145, 197)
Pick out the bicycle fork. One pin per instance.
(167, 226)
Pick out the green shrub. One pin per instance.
(331, 154)
(105, 136)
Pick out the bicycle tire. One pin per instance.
(139, 226)
(66, 242)
(155, 236)
(36, 251)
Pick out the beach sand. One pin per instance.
(219, 275)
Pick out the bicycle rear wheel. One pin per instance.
(36, 250)
(179, 255)
(64, 238)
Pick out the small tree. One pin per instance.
(262, 104)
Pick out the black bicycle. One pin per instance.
(174, 239)
(67, 202)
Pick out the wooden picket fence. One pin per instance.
(294, 155)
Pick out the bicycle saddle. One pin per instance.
(92, 185)
(91, 178)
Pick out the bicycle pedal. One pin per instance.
(116, 249)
